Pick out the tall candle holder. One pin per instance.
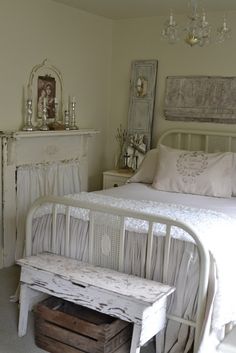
(56, 107)
(67, 120)
(73, 125)
(44, 126)
(29, 126)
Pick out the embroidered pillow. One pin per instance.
(194, 172)
(146, 171)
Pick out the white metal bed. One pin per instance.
(223, 141)
(184, 139)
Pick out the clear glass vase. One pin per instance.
(120, 162)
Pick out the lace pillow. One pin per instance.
(146, 171)
(194, 172)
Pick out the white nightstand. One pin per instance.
(116, 177)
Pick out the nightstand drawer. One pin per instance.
(112, 181)
(115, 178)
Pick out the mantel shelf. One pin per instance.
(30, 134)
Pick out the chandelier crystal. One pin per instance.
(197, 30)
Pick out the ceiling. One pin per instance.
(121, 9)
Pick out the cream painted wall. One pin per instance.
(140, 39)
(94, 55)
(77, 43)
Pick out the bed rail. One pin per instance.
(204, 261)
(207, 141)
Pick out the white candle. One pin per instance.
(29, 92)
(73, 99)
(44, 102)
(55, 100)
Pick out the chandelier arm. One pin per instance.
(197, 31)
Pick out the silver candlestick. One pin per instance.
(44, 126)
(56, 106)
(72, 125)
(29, 126)
(67, 120)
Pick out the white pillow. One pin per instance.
(146, 171)
(194, 172)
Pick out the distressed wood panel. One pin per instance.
(201, 98)
(79, 327)
(46, 148)
(9, 208)
(78, 319)
(54, 346)
(141, 106)
(79, 341)
(147, 292)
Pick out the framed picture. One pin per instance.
(210, 99)
(46, 94)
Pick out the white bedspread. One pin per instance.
(139, 191)
(221, 244)
(198, 219)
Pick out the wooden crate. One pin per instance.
(64, 327)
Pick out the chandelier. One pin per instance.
(197, 31)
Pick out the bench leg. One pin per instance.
(24, 309)
(135, 343)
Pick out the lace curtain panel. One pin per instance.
(35, 181)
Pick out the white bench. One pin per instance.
(127, 297)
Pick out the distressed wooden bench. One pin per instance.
(129, 298)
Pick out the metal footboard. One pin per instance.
(204, 261)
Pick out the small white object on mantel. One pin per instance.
(127, 297)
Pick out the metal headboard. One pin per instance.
(208, 141)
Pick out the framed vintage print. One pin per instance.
(200, 98)
(46, 94)
(45, 86)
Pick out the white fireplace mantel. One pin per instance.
(41, 148)
(34, 134)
